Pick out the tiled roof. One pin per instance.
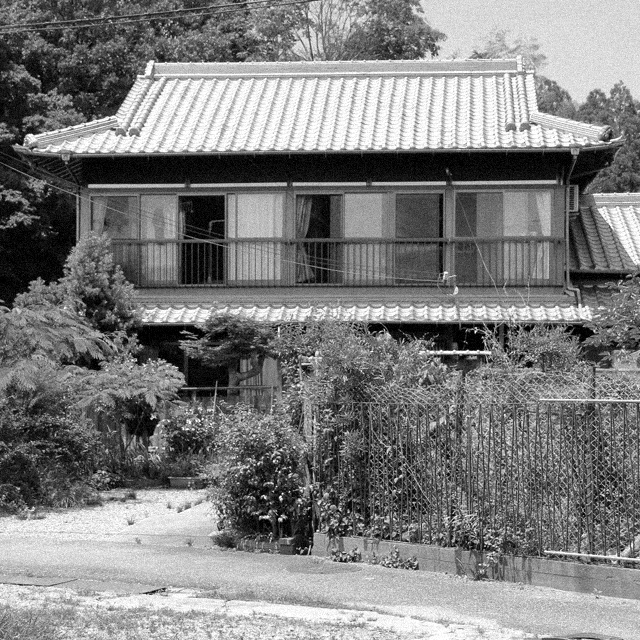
(595, 296)
(427, 312)
(605, 235)
(293, 107)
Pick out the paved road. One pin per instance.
(239, 575)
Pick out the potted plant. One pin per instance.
(184, 472)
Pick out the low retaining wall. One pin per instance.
(568, 576)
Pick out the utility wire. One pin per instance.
(82, 23)
(266, 252)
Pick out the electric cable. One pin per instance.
(267, 253)
(84, 23)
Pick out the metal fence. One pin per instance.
(353, 262)
(256, 396)
(517, 478)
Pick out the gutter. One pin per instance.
(569, 288)
(326, 152)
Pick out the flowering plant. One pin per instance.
(193, 429)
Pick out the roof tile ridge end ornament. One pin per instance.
(604, 133)
(150, 70)
(40, 140)
(510, 124)
(135, 105)
(151, 95)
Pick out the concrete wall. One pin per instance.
(611, 581)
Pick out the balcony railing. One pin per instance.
(514, 261)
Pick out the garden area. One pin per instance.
(534, 450)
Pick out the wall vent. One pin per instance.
(573, 198)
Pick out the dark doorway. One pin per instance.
(319, 220)
(203, 223)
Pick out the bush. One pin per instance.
(10, 499)
(193, 429)
(48, 457)
(182, 466)
(260, 486)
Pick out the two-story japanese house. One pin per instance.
(432, 195)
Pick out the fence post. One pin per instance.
(463, 427)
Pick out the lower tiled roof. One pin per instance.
(605, 235)
(470, 312)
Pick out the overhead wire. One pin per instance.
(265, 251)
(170, 14)
(190, 232)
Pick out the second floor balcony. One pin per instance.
(259, 262)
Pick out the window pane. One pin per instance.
(159, 217)
(259, 216)
(158, 226)
(479, 215)
(419, 216)
(116, 216)
(366, 261)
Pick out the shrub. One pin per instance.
(46, 456)
(225, 539)
(260, 488)
(181, 466)
(10, 499)
(191, 430)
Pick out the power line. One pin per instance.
(82, 23)
(265, 252)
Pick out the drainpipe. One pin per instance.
(569, 288)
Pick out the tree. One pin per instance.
(53, 77)
(226, 341)
(93, 287)
(499, 45)
(365, 29)
(552, 98)
(621, 112)
(125, 395)
(41, 340)
(616, 325)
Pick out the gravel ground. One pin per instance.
(99, 522)
(27, 613)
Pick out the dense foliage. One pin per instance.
(227, 340)
(191, 430)
(261, 487)
(347, 362)
(46, 448)
(65, 357)
(617, 324)
(93, 287)
(544, 347)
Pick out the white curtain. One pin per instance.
(159, 223)
(527, 214)
(304, 272)
(365, 217)
(98, 211)
(542, 218)
(259, 217)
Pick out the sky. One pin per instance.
(589, 44)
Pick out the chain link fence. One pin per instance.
(515, 462)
